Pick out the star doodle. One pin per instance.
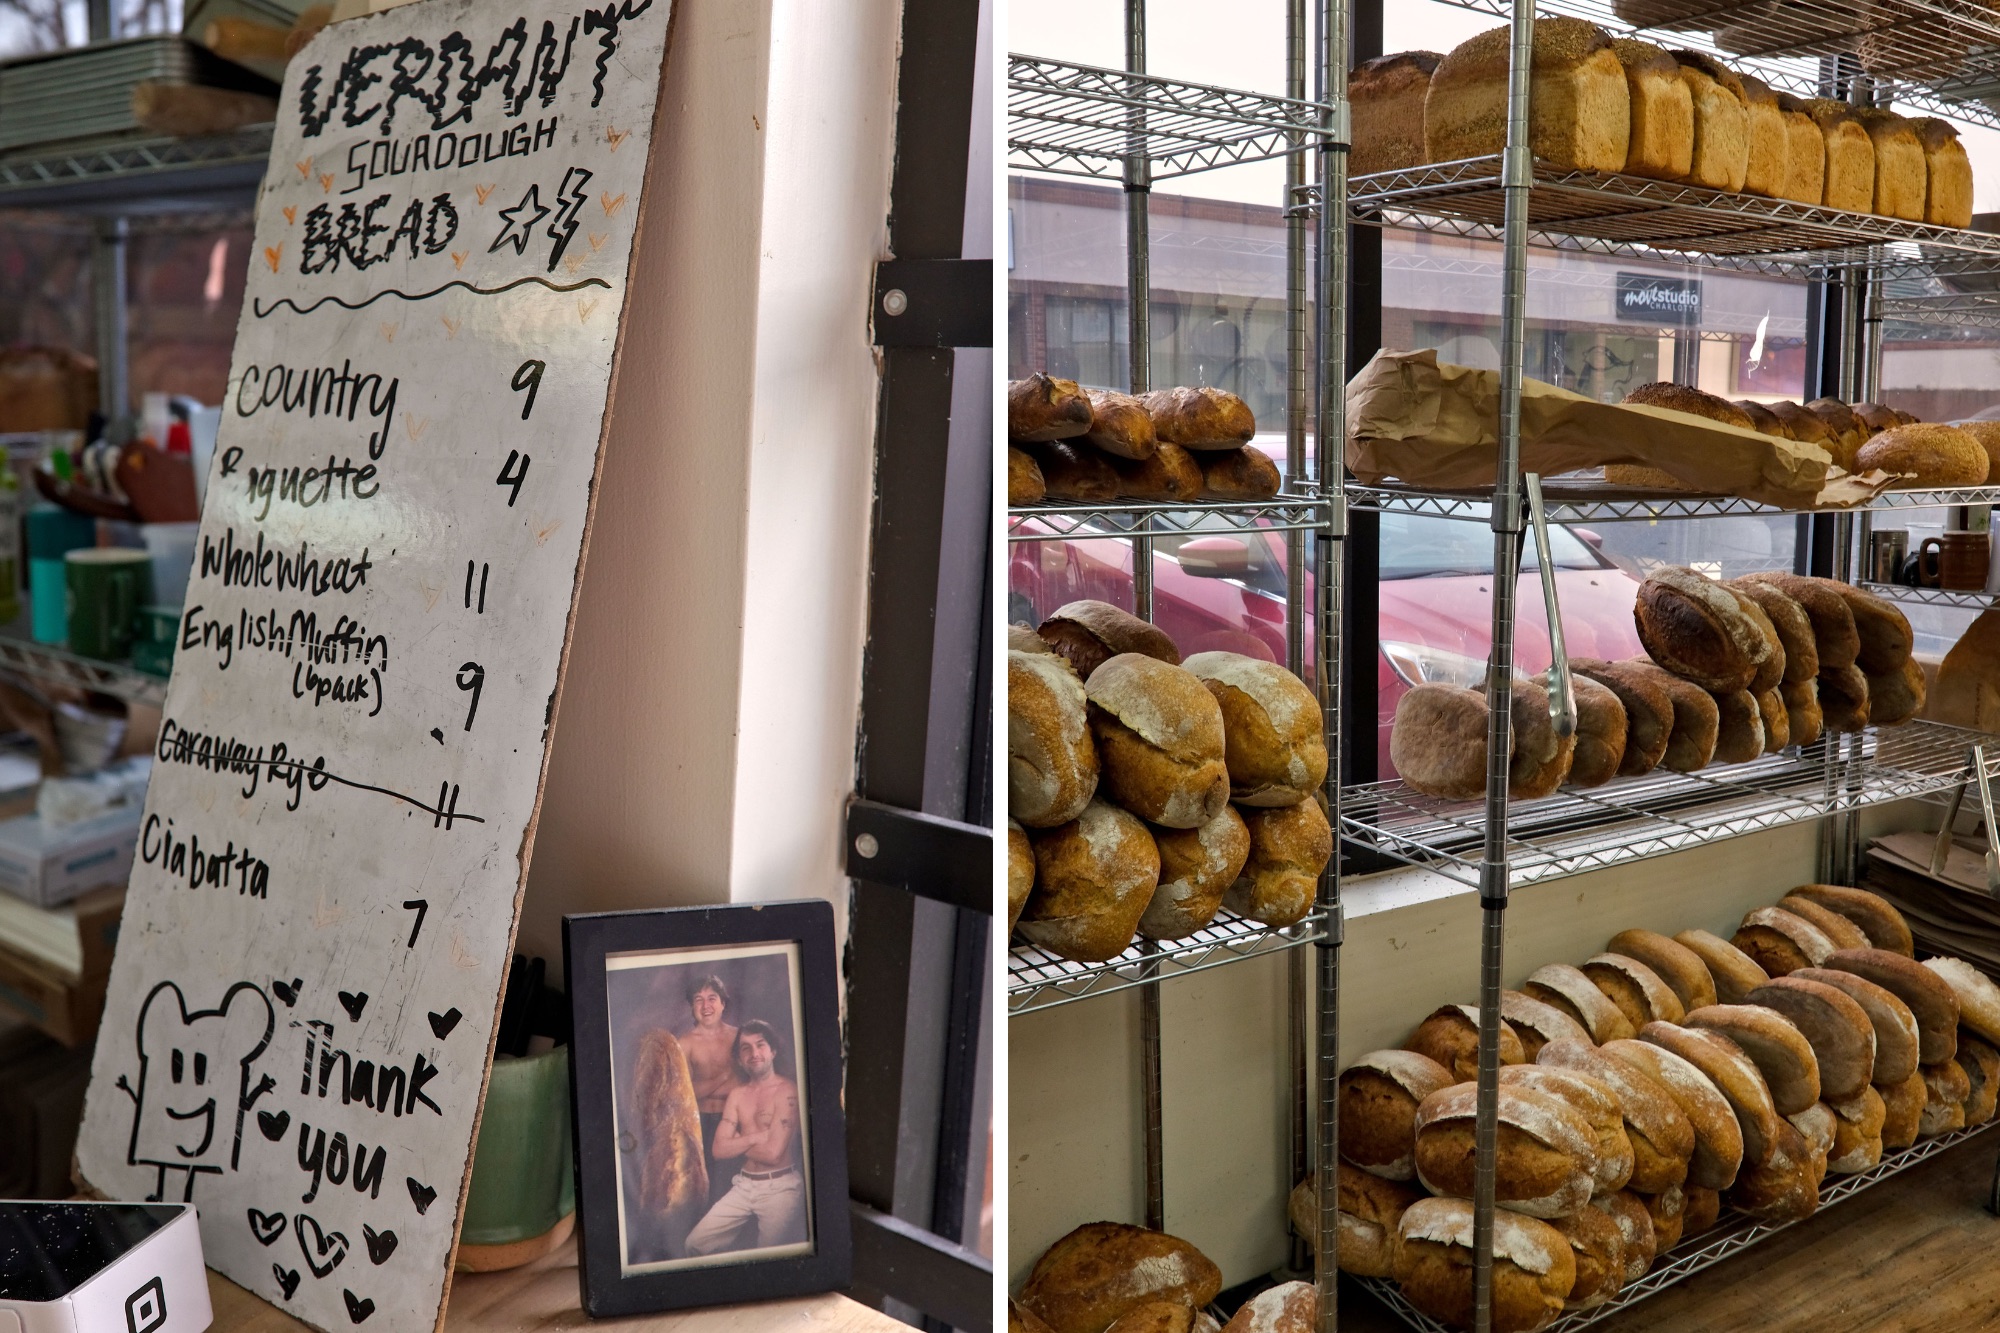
(522, 219)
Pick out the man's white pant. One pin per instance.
(773, 1212)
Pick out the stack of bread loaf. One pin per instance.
(1734, 670)
(1096, 445)
(1648, 1086)
(1146, 792)
(1858, 438)
(1608, 104)
(1107, 1277)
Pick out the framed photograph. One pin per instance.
(711, 1153)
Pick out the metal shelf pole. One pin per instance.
(107, 280)
(1298, 978)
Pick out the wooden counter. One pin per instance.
(1910, 1255)
(543, 1296)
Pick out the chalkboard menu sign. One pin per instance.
(345, 785)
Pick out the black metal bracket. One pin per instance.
(927, 855)
(948, 1282)
(934, 303)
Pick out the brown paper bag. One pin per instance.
(1429, 423)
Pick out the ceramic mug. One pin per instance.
(107, 585)
(523, 1193)
(1960, 564)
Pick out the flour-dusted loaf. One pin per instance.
(1289, 1307)
(1771, 668)
(1237, 474)
(1024, 478)
(1978, 997)
(1647, 706)
(1289, 847)
(1836, 640)
(1857, 1132)
(1545, 1162)
(1051, 760)
(1718, 1139)
(1903, 1110)
(1093, 878)
(1665, 1208)
(1739, 728)
(1599, 746)
(1850, 156)
(1100, 1270)
(1020, 1319)
(1843, 933)
(1779, 1050)
(1635, 1228)
(1040, 408)
(1902, 176)
(1598, 1245)
(1734, 972)
(1090, 633)
(1537, 1023)
(1450, 1036)
(1638, 991)
(1568, 989)
(1020, 872)
(1833, 1023)
(1661, 143)
(1926, 455)
(1872, 914)
(1734, 1075)
(1700, 1212)
(1780, 942)
(1386, 95)
(1882, 632)
(1662, 1138)
(1798, 651)
(1673, 962)
(1770, 143)
(1597, 1103)
(1378, 1096)
(1580, 109)
(1159, 741)
(1932, 1001)
(1721, 121)
(1369, 1208)
(1167, 475)
(1155, 1317)
(1981, 1063)
(1946, 1090)
(1200, 418)
(1781, 1185)
(1120, 425)
(1805, 154)
(1534, 1269)
(1274, 734)
(1967, 693)
(1438, 740)
(1895, 1027)
(1697, 629)
(1197, 867)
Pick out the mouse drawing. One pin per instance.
(194, 1085)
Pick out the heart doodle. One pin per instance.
(288, 1279)
(420, 1194)
(324, 1251)
(443, 1023)
(381, 1244)
(289, 994)
(354, 1002)
(358, 1307)
(274, 1124)
(266, 1227)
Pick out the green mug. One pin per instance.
(106, 585)
(523, 1177)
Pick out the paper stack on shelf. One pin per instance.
(88, 92)
(1949, 914)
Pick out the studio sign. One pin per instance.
(1654, 300)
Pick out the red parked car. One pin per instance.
(1228, 592)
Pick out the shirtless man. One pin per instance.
(766, 1203)
(710, 1046)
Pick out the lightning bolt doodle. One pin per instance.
(572, 197)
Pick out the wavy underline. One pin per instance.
(262, 311)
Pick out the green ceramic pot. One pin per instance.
(523, 1177)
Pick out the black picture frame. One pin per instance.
(615, 1270)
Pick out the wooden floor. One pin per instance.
(1915, 1254)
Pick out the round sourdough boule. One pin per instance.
(1835, 638)
(1883, 633)
(1875, 915)
(1534, 1269)
(1696, 628)
(1779, 942)
(1896, 1036)
(1802, 711)
(1734, 1074)
(1932, 1001)
(1662, 1138)
(1649, 711)
(1673, 962)
(1843, 700)
(1857, 1132)
(1700, 1211)
(1052, 767)
(1843, 934)
(1023, 639)
(1978, 997)
(1159, 741)
(1946, 1090)
(1379, 1095)
(1638, 991)
(1718, 1139)
(1927, 455)
(1665, 1208)
(1635, 1228)
(1568, 989)
(1289, 1307)
(1120, 426)
(1197, 866)
(1600, 732)
(1024, 478)
(1102, 1269)
(1696, 719)
(1780, 1186)
(1545, 1163)
(1289, 847)
(1833, 1023)
(1093, 877)
(1902, 1110)
(1274, 742)
(1778, 1049)
(1981, 1063)
(1438, 740)
(1734, 972)
(1040, 408)
(1817, 1125)
(1537, 1023)
(1542, 759)
(1450, 1036)
(1792, 625)
(1598, 1245)
(1089, 634)
(1594, 1100)
(1020, 872)
(1739, 728)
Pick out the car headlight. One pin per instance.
(1416, 664)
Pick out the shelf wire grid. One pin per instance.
(1037, 979)
(1586, 499)
(1732, 1234)
(1902, 592)
(1080, 120)
(131, 158)
(1058, 522)
(1631, 819)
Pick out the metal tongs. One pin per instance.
(1562, 693)
(1976, 761)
